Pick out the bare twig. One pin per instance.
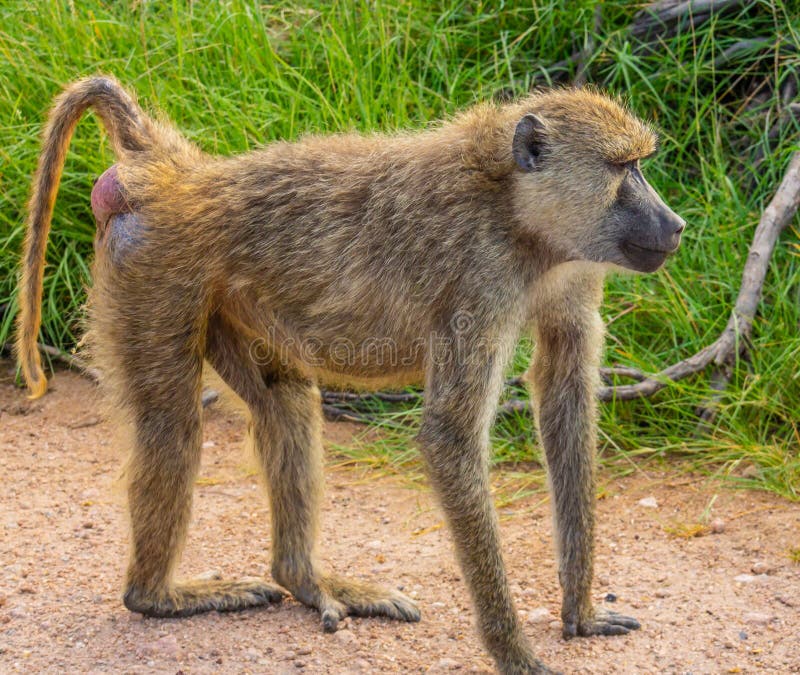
(660, 16)
(74, 362)
(729, 345)
(733, 340)
(335, 414)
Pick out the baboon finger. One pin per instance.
(617, 619)
(332, 614)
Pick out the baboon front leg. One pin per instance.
(454, 439)
(163, 387)
(564, 381)
(287, 432)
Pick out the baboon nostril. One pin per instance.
(681, 226)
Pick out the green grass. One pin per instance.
(237, 74)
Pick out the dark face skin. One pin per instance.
(644, 229)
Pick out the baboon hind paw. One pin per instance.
(336, 598)
(206, 595)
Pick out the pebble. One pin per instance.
(649, 502)
(757, 618)
(345, 637)
(165, 647)
(717, 526)
(539, 615)
(662, 593)
(745, 579)
(448, 664)
(375, 545)
(3, 599)
(303, 651)
(610, 597)
(253, 654)
(760, 567)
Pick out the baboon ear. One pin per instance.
(528, 142)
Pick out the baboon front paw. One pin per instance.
(603, 622)
(203, 595)
(336, 598)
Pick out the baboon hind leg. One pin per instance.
(287, 432)
(162, 386)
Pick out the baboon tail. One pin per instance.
(130, 132)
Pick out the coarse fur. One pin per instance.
(359, 260)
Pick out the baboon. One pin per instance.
(446, 244)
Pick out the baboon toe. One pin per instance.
(338, 598)
(205, 595)
(604, 622)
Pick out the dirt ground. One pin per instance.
(727, 602)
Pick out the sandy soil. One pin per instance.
(726, 602)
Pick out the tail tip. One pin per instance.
(37, 383)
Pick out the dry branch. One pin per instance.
(661, 16)
(732, 342)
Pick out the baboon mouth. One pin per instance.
(629, 247)
(644, 259)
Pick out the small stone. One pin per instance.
(783, 599)
(165, 647)
(649, 502)
(448, 664)
(662, 593)
(374, 545)
(27, 588)
(555, 625)
(760, 567)
(88, 525)
(345, 637)
(742, 635)
(208, 444)
(610, 597)
(539, 615)
(717, 526)
(3, 599)
(757, 618)
(744, 579)
(303, 651)
(253, 655)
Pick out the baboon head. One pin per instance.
(580, 185)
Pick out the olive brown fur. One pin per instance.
(358, 260)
